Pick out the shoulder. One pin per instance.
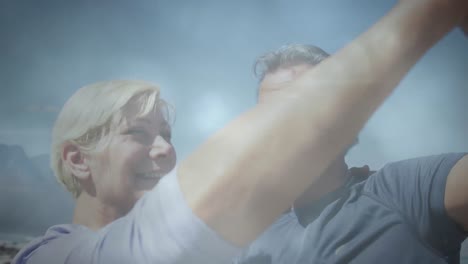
(409, 183)
(416, 170)
(432, 162)
(54, 241)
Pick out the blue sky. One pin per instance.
(201, 53)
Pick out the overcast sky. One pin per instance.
(201, 53)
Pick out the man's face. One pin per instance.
(279, 79)
(137, 156)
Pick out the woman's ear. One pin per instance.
(75, 161)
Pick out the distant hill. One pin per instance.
(30, 198)
(16, 167)
(42, 165)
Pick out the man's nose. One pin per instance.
(160, 148)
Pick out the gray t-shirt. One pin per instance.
(396, 216)
(161, 228)
(280, 243)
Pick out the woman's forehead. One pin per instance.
(145, 112)
(152, 119)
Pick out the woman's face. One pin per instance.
(138, 154)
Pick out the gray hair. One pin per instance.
(289, 55)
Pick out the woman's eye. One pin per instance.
(136, 132)
(167, 138)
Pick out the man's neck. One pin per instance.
(332, 179)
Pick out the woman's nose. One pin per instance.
(160, 148)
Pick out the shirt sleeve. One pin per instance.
(416, 188)
(161, 228)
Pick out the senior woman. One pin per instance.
(111, 149)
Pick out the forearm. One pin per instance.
(242, 178)
(365, 72)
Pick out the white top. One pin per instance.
(161, 228)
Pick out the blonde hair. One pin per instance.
(89, 117)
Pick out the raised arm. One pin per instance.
(456, 196)
(249, 172)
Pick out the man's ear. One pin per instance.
(75, 161)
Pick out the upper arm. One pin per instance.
(456, 193)
(242, 178)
